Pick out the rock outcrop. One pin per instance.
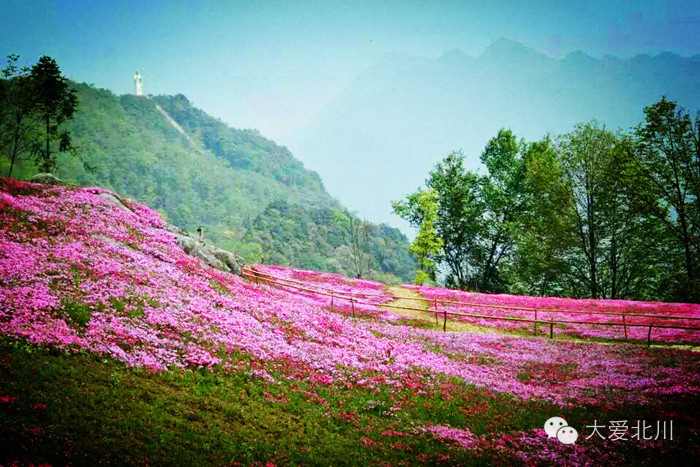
(47, 179)
(213, 256)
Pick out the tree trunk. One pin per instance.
(15, 143)
(688, 255)
(13, 156)
(486, 276)
(48, 139)
(592, 248)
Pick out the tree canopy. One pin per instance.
(34, 103)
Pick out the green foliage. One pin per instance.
(356, 236)
(55, 102)
(502, 191)
(468, 222)
(586, 154)
(17, 125)
(668, 158)
(460, 217)
(546, 232)
(427, 245)
(79, 313)
(422, 278)
(244, 149)
(34, 103)
(612, 256)
(290, 234)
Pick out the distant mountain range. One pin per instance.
(378, 140)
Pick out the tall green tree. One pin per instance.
(668, 155)
(546, 233)
(19, 125)
(584, 154)
(503, 197)
(357, 238)
(613, 255)
(468, 222)
(420, 209)
(459, 219)
(458, 214)
(55, 102)
(632, 252)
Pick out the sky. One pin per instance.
(274, 65)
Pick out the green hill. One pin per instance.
(250, 195)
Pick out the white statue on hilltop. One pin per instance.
(138, 81)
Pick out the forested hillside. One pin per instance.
(231, 182)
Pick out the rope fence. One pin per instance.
(252, 274)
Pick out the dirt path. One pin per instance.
(409, 298)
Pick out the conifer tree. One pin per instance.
(55, 102)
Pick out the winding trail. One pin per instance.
(409, 298)
(414, 299)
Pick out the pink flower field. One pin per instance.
(81, 274)
(346, 295)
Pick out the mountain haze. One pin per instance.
(405, 113)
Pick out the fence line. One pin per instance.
(305, 284)
(559, 310)
(507, 307)
(273, 280)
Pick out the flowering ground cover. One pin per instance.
(633, 327)
(367, 294)
(356, 287)
(108, 327)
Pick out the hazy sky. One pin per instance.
(272, 65)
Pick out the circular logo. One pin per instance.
(553, 425)
(567, 435)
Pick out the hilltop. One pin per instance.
(116, 346)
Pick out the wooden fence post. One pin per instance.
(624, 325)
(444, 324)
(436, 312)
(535, 323)
(551, 328)
(352, 302)
(649, 337)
